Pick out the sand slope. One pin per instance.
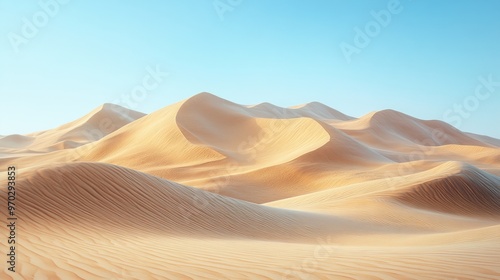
(100, 122)
(209, 189)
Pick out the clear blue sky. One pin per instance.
(426, 58)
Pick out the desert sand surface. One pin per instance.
(209, 189)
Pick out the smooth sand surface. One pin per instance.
(209, 189)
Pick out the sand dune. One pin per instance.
(392, 129)
(318, 110)
(210, 189)
(92, 127)
(15, 141)
(110, 198)
(465, 191)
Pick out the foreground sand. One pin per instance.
(209, 189)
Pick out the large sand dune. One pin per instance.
(209, 189)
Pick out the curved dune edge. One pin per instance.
(450, 187)
(466, 192)
(110, 198)
(115, 199)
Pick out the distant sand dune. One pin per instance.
(93, 126)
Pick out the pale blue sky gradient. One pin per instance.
(285, 52)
